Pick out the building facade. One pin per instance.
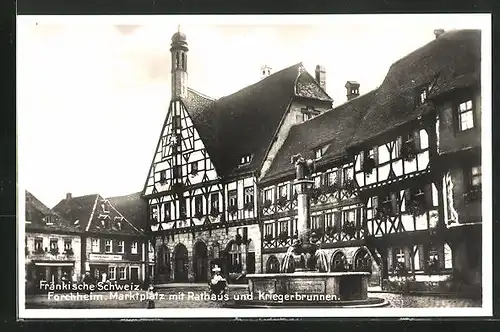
(52, 246)
(202, 184)
(398, 170)
(112, 247)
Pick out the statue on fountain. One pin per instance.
(305, 253)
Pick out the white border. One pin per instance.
(476, 21)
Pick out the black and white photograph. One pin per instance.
(254, 166)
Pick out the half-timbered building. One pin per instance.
(112, 247)
(403, 152)
(398, 172)
(202, 184)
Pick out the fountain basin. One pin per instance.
(330, 289)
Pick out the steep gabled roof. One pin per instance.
(333, 128)
(449, 62)
(245, 122)
(36, 214)
(87, 211)
(133, 208)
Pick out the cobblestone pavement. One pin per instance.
(196, 297)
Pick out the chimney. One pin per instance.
(352, 88)
(438, 32)
(321, 76)
(68, 196)
(265, 71)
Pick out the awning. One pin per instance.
(54, 264)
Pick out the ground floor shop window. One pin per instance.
(112, 272)
(122, 273)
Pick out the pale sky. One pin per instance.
(93, 92)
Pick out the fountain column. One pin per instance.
(303, 187)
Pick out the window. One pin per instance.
(317, 181)
(68, 245)
(95, 245)
(151, 247)
(331, 178)
(245, 159)
(214, 199)
(232, 197)
(315, 222)
(198, 205)
(388, 204)
(268, 194)
(154, 214)
(283, 191)
(350, 216)
(133, 247)
(348, 174)
(248, 192)
(38, 244)
(163, 176)
(121, 246)
(53, 244)
(399, 255)
(182, 207)
(122, 273)
(306, 116)
(194, 168)
(235, 258)
(108, 246)
(112, 273)
(166, 211)
(318, 153)
(104, 207)
(176, 122)
(465, 116)
(176, 172)
(268, 229)
(283, 227)
(49, 220)
(423, 96)
(476, 176)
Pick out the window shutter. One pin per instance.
(428, 195)
(397, 148)
(416, 139)
(337, 218)
(390, 258)
(340, 176)
(375, 204)
(394, 202)
(375, 155)
(407, 198)
(361, 159)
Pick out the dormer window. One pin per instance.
(246, 159)
(49, 220)
(423, 96)
(318, 153)
(423, 93)
(104, 207)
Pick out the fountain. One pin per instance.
(304, 280)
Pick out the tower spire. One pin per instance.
(179, 49)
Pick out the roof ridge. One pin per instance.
(201, 94)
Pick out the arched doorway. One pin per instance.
(181, 263)
(363, 261)
(163, 264)
(250, 261)
(272, 265)
(200, 261)
(339, 262)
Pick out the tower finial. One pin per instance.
(178, 28)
